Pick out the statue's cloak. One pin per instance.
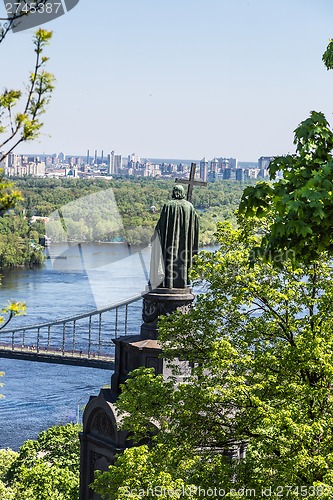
(174, 243)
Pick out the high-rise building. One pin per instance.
(223, 163)
(114, 163)
(134, 158)
(203, 169)
(229, 174)
(227, 163)
(263, 164)
(111, 163)
(13, 160)
(117, 164)
(233, 163)
(214, 165)
(253, 173)
(241, 174)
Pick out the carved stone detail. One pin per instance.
(161, 302)
(101, 424)
(151, 310)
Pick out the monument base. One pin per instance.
(100, 439)
(161, 302)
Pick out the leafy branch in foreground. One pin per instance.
(8, 312)
(9, 196)
(300, 204)
(25, 125)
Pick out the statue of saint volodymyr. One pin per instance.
(174, 243)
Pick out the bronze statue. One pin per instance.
(174, 243)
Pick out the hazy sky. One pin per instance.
(180, 78)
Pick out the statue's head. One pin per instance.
(178, 192)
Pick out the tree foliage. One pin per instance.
(44, 469)
(140, 473)
(299, 205)
(19, 242)
(9, 197)
(328, 55)
(259, 341)
(134, 198)
(7, 457)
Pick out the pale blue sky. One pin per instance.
(181, 78)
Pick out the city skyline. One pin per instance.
(180, 79)
(91, 166)
(105, 156)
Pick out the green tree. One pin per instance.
(298, 205)
(260, 343)
(16, 247)
(9, 196)
(44, 469)
(7, 457)
(140, 474)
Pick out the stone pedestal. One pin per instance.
(131, 353)
(163, 301)
(100, 439)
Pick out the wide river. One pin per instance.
(73, 279)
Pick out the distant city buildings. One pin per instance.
(15, 165)
(112, 164)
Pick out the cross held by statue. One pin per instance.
(191, 182)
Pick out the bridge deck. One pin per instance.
(59, 357)
(81, 340)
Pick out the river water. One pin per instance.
(73, 280)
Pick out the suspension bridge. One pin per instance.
(84, 339)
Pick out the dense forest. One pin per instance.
(102, 210)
